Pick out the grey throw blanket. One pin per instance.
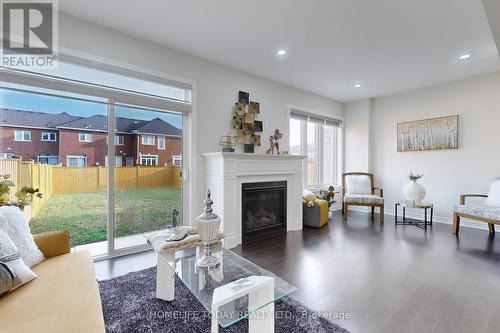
(8, 279)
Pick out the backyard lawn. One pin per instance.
(85, 214)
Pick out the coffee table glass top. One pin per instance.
(233, 269)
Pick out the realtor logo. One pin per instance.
(29, 35)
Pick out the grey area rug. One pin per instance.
(129, 305)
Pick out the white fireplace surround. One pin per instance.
(225, 174)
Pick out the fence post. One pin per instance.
(136, 176)
(98, 178)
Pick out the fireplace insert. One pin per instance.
(263, 209)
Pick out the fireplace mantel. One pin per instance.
(225, 174)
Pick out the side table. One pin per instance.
(410, 221)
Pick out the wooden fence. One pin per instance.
(29, 174)
(66, 180)
(95, 179)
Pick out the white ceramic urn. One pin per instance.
(414, 192)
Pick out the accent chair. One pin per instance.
(488, 212)
(358, 190)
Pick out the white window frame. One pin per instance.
(49, 136)
(148, 157)
(6, 155)
(320, 137)
(143, 141)
(119, 140)
(177, 160)
(48, 157)
(19, 135)
(87, 137)
(164, 140)
(68, 157)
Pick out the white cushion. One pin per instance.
(365, 199)
(359, 184)
(15, 225)
(308, 195)
(489, 212)
(494, 194)
(15, 272)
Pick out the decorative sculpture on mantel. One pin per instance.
(274, 142)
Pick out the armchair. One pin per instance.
(358, 190)
(489, 212)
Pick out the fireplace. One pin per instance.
(263, 209)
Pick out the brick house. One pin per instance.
(82, 141)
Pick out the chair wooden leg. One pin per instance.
(456, 224)
(381, 214)
(346, 209)
(373, 211)
(491, 227)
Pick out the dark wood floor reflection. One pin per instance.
(389, 279)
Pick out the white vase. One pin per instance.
(414, 192)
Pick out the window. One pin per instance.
(149, 160)
(161, 142)
(22, 136)
(6, 155)
(119, 140)
(49, 136)
(85, 137)
(76, 161)
(48, 159)
(118, 161)
(319, 139)
(329, 156)
(312, 152)
(148, 140)
(177, 160)
(129, 161)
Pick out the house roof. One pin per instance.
(92, 123)
(159, 126)
(33, 119)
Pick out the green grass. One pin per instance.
(85, 214)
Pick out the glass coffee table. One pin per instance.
(234, 290)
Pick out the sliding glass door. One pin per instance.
(147, 180)
(108, 158)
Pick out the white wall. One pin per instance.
(447, 174)
(217, 86)
(358, 135)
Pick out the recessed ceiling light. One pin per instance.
(357, 86)
(281, 52)
(465, 57)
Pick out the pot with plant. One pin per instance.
(414, 192)
(23, 197)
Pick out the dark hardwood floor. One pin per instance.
(390, 279)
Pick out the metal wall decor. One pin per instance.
(245, 124)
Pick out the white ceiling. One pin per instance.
(388, 46)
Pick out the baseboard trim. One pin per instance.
(437, 219)
(230, 241)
